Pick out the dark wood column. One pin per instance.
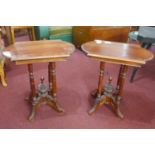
(100, 82)
(52, 79)
(121, 79)
(32, 82)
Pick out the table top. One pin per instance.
(119, 53)
(39, 51)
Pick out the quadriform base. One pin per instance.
(119, 54)
(44, 94)
(109, 95)
(41, 51)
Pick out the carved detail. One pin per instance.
(110, 95)
(45, 94)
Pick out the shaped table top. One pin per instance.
(39, 51)
(119, 53)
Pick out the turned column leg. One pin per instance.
(33, 91)
(120, 85)
(100, 82)
(32, 82)
(121, 79)
(99, 89)
(52, 79)
(53, 86)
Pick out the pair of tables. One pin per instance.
(51, 51)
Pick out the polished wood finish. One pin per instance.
(116, 53)
(120, 53)
(53, 79)
(83, 34)
(108, 94)
(40, 51)
(121, 79)
(32, 82)
(49, 78)
(44, 94)
(30, 52)
(100, 82)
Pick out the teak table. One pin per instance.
(30, 52)
(116, 53)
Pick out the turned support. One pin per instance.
(97, 94)
(32, 82)
(52, 79)
(119, 89)
(110, 95)
(100, 82)
(45, 94)
(121, 79)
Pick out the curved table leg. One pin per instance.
(115, 107)
(118, 111)
(55, 106)
(48, 97)
(33, 113)
(109, 95)
(97, 106)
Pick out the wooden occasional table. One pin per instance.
(116, 53)
(30, 52)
